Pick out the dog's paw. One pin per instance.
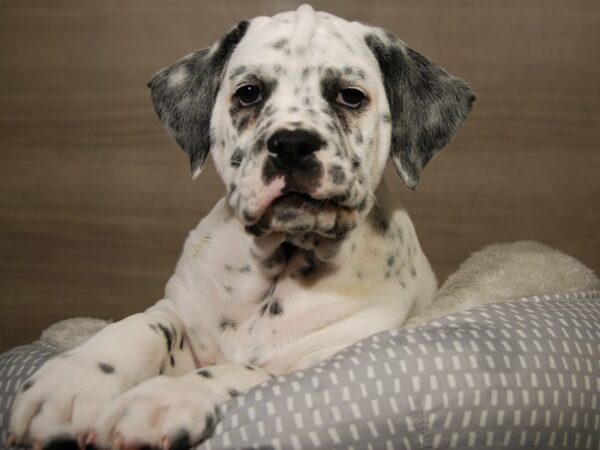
(61, 400)
(162, 412)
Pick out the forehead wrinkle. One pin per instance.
(305, 27)
(341, 34)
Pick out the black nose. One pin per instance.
(293, 145)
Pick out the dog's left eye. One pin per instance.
(351, 97)
(248, 95)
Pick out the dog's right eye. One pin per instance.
(248, 95)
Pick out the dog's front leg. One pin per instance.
(65, 396)
(173, 412)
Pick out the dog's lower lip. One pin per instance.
(303, 200)
(305, 197)
(295, 200)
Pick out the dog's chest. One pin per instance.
(249, 316)
(277, 311)
(238, 309)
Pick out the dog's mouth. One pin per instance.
(300, 200)
(298, 212)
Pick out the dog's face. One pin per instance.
(301, 112)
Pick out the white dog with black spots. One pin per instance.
(305, 254)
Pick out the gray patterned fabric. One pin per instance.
(16, 365)
(522, 374)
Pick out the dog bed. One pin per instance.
(518, 374)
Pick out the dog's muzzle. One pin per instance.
(297, 208)
(292, 156)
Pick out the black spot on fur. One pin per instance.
(336, 174)
(233, 393)
(280, 256)
(306, 73)
(227, 323)
(248, 217)
(250, 368)
(63, 442)
(181, 440)
(270, 290)
(172, 360)
(358, 137)
(276, 308)
(167, 334)
(308, 270)
(205, 373)
(106, 368)
(263, 308)
(38, 410)
(391, 260)
(311, 264)
(280, 44)
(254, 230)
(362, 205)
(209, 425)
(181, 342)
(379, 220)
(27, 385)
(236, 157)
(269, 111)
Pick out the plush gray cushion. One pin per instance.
(16, 365)
(522, 374)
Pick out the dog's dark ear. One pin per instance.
(184, 95)
(427, 104)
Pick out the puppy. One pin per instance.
(304, 255)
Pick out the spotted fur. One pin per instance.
(306, 253)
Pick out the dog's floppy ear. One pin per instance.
(184, 95)
(427, 104)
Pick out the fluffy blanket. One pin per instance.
(497, 273)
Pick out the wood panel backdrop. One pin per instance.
(95, 200)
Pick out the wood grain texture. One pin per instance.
(95, 200)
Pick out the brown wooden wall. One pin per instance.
(95, 200)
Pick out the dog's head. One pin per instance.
(301, 112)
